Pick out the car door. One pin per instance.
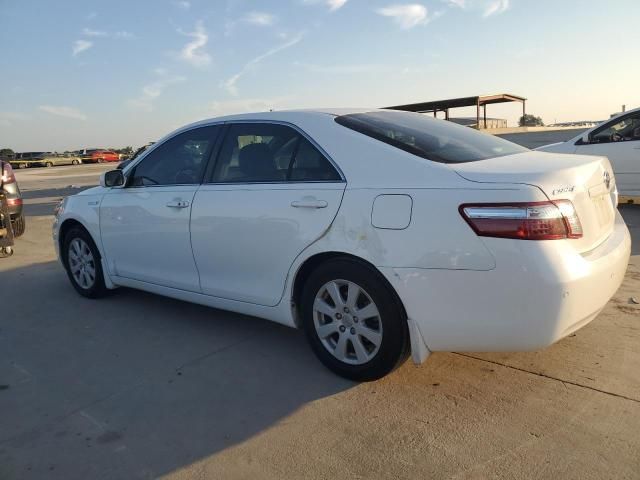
(145, 225)
(619, 140)
(272, 193)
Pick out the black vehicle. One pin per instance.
(10, 189)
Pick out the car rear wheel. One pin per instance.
(48, 164)
(353, 320)
(82, 262)
(101, 160)
(19, 226)
(75, 162)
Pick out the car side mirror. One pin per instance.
(112, 178)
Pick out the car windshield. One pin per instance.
(426, 137)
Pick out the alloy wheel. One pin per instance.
(347, 322)
(82, 263)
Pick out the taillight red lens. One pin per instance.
(7, 174)
(524, 221)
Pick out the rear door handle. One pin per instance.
(178, 204)
(309, 203)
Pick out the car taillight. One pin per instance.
(524, 221)
(7, 174)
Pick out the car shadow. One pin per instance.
(136, 385)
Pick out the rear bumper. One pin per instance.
(538, 293)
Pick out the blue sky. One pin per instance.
(113, 73)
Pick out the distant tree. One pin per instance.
(530, 121)
(6, 152)
(124, 151)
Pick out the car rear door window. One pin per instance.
(426, 137)
(268, 153)
(181, 160)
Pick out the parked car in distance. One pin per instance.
(98, 156)
(9, 185)
(619, 140)
(377, 232)
(55, 159)
(25, 159)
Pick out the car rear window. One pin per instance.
(427, 137)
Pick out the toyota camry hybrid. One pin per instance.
(380, 233)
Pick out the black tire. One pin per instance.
(98, 289)
(19, 226)
(75, 162)
(48, 164)
(101, 160)
(394, 347)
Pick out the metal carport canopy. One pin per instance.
(445, 105)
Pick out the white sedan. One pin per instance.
(618, 139)
(380, 233)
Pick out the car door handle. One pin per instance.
(309, 203)
(178, 204)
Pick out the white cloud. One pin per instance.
(335, 4)
(456, 3)
(193, 52)
(93, 33)
(262, 19)
(92, 15)
(496, 7)
(406, 16)
(230, 83)
(332, 4)
(101, 33)
(184, 4)
(80, 46)
(152, 91)
(63, 111)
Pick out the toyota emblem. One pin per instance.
(607, 179)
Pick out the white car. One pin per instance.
(619, 140)
(378, 232)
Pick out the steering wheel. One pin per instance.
(617, 137)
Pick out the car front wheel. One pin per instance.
(353, 320)
(82, 262)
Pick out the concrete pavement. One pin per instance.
(140, 386)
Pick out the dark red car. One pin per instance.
(99, 156)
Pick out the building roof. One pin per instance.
(458, 102)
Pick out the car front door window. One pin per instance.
(180, 160)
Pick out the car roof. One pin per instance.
(282, 115)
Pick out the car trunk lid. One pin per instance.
(587, 181)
